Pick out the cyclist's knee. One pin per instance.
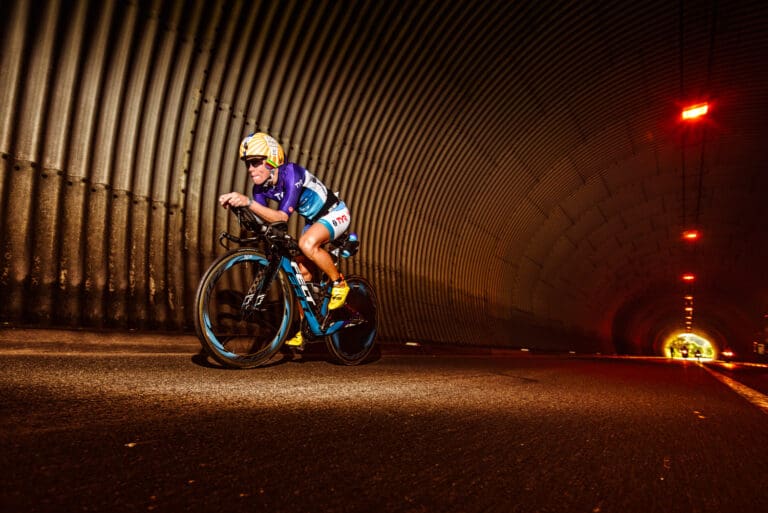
(305, 247)
(309, 246)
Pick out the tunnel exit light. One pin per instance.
(691, 235)
(689, 277)
(695, 112)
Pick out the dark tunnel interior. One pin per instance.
(520, 174)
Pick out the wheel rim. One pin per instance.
(236, 334)
(354, 343)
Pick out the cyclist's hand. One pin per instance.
(233, 199)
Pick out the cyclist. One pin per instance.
(295, 190)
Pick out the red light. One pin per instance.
(694, 112)
(691, 235)
(688, 277)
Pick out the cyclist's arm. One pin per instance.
(292, 180)
(257, 206)
(268, 214)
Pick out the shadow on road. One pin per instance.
(313, 353)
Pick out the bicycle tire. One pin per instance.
(235, 336)
(352, 345)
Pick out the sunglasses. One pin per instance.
(254, 162)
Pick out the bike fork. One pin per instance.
(260, 286)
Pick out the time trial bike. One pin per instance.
(245, 302)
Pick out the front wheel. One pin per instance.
(352, 345)
(242, 315)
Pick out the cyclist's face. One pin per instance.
(257, 168)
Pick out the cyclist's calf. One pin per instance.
(307, 267)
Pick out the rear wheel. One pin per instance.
(353, 344)
(242, 316)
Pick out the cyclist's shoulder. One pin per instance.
(293, 167)
(291, 173)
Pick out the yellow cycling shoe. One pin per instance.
(296, 342)
(338, 294)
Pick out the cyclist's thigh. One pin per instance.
(337, 220)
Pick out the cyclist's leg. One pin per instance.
(311, 242)
(327, 228)
(307, 267)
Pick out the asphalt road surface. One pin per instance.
(95, 430)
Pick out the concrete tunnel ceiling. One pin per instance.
(518, 172)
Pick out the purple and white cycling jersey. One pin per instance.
(299, 190)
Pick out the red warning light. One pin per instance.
(695, 112)
(689, 277)
(691, 235)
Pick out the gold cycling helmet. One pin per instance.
(262, 145)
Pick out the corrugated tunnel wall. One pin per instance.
(119, 124)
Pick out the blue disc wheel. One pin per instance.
(242, 315)
(353, 344)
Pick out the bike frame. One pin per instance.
(313, 313)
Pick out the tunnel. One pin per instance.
(520, 174)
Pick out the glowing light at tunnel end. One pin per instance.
(673, 346)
